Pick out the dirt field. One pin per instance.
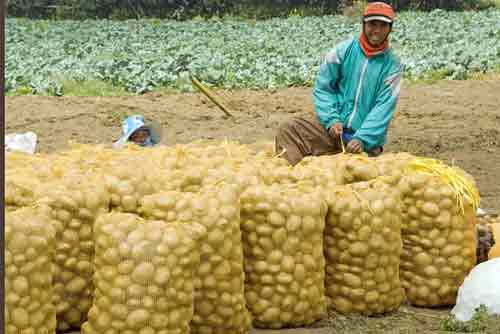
(455, 121)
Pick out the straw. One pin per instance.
(463, 188)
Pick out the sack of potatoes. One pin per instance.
(439, 233)
(72, 204)
(20, 189)
(362, 248)
(219, 305)
(29, 256)
(331, 170)
(144, 276)
(393, 166)
(283, 246)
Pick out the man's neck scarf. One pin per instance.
(369, 50)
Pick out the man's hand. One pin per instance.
(336, 130)
(354, 146)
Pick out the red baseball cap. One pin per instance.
(379, 11)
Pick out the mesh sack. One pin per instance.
(143, 278)
(219, 299)
(284, 263)
(362, 248)
(29, 253)
(331, 170)
(72, 204)
(439, 236)
(20, 189)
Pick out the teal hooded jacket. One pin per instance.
(359, 92)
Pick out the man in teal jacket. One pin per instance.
(355, 95)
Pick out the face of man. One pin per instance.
(139, 136)
(376, 32)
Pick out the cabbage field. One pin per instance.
(142, 55)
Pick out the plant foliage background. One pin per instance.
(142, 55)
(181, 9)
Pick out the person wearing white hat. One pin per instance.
(135, 130)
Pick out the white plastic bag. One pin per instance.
(480, 212)
(481, 286)
(22, 142)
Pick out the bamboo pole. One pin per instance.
(211, 95)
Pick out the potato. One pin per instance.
(141, 308)
(221, 251)
(139, 180)
(64, 203)
(284, 261)
(366, 265)
(434, 228)
(433, 271)
(28, 297)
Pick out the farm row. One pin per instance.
(143, 55)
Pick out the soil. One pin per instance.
(456, 121)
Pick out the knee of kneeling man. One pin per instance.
(289, 124)
(283, 128)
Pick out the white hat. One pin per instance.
(377, 18)
(134, 123)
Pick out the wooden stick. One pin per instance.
(211, 96)
(342, 143)
(226, 98)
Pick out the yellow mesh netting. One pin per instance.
(464, 188)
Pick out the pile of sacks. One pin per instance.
(215, 236)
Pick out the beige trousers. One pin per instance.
(304, 136)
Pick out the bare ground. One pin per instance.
(457, 121)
